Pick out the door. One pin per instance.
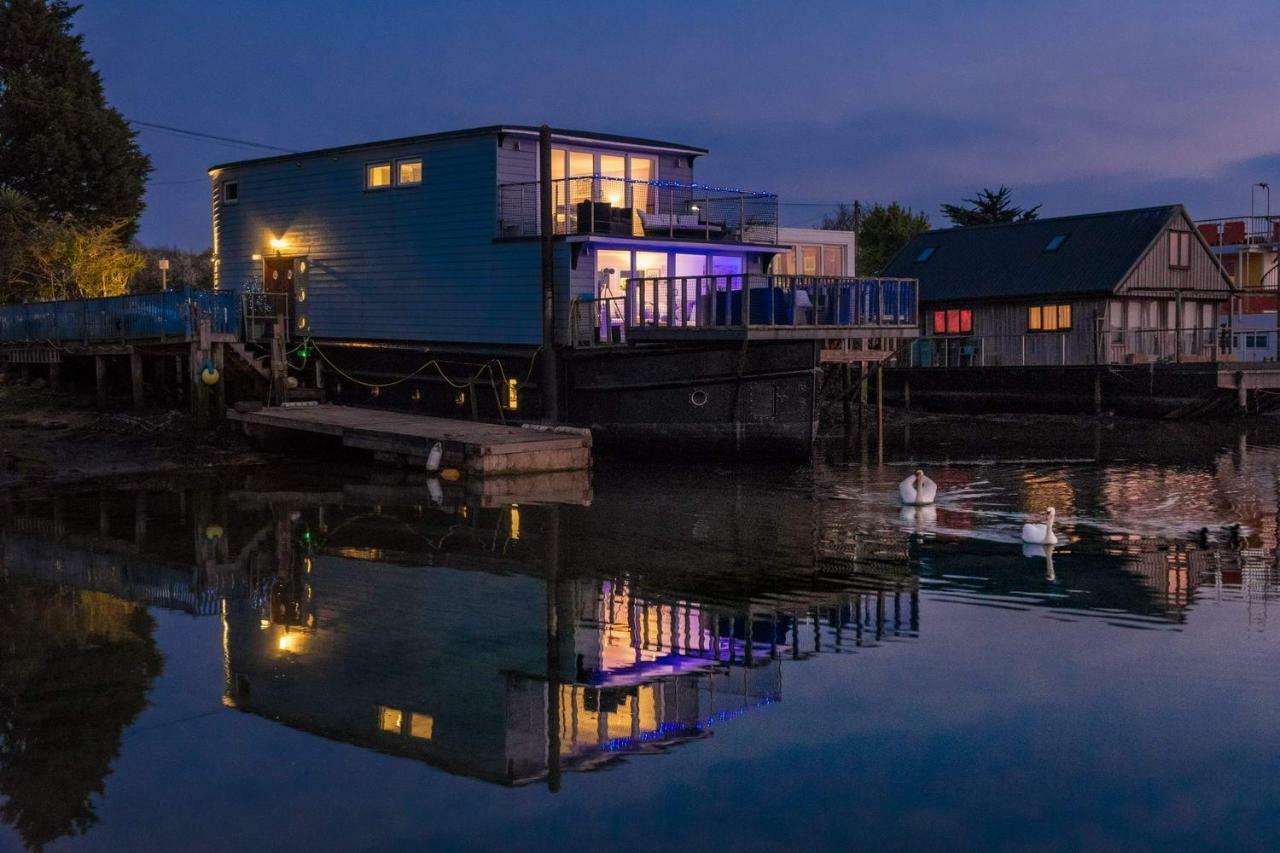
(278, 292)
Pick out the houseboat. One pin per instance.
(516, 272)
(1249, 249)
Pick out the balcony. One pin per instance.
(655, 209)
(776, 307)
(1240, 230)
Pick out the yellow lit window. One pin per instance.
(1033, 319)
(409, 173)
(515, 521)
(390, 719)
(421, 725)
(1064, 316)
(377, 176)
(1048, 318)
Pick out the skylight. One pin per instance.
(925, 254)
(1056, 243)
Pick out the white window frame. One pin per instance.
(396, 172)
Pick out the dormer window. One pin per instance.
(925, 254)
(1056, 243)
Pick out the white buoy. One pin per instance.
(917, 490)
(434, 456)
(1041, 534)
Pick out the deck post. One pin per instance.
(548, 376)
(848, 393)
(55, 376)
(1242, 393)
(100, 379)
(906, 392)
(135, 378)
(279, 377)
(220, 390)
(1097, 392)
(880, 400)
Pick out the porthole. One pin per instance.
(698, 398)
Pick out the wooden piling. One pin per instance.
(100, 379)
(55, 376)
(220, 390)
(1097, 392)
(135, 377)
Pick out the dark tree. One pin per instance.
(882, 230)
(61, 145)
(989, 208)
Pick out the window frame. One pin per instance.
(400, 163)
(962, 317)
(369, 166)
(222, 191)
(1038, 317)
(1179, 249)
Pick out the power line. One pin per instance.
(196, 134)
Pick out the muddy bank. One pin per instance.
(52, 438)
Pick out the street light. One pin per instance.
(1265, 186)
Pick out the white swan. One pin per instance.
(1041, 534)
(918, 490)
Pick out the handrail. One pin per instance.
(603, 204)
(142, 316)
(1105, 346)
(718, 302)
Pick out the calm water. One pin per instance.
(322, 658)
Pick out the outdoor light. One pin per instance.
(279, 243)
(255, 257)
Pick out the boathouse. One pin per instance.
(1120, 287)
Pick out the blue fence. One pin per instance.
(145, 316)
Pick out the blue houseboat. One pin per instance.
(516, 272)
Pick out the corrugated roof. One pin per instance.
(1008, 261)
(608, 138)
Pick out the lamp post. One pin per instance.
(1267, 188)
(163, 264)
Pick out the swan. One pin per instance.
(1041, 534)
(918, 490)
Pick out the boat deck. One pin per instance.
(478, 448)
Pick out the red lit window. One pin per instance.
(954, 321)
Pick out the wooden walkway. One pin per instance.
(477, 448)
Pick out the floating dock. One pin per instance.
(477, 448)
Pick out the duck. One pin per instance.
(1041, 534)
(918, 490)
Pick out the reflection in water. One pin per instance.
(517, 637)
(75, 671)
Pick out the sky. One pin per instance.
(1078, 106)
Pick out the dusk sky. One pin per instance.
(1082, 106)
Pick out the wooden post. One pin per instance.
(1242, 393)
(1097, 392)
(880, 398)
(135, 377)
(848, 394)
(906, 392)
(548, 376)
(862, 395)
(200, 350)
(24, 371)
(100, 379)
(178, 384)
(140, 520)
(220, 390)
(279, 374)
(55, 376)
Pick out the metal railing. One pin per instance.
(1110, 346)
(1240, 230)
(144, 316)
(743, 302)
(262, 310)
(598, 204)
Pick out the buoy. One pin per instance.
(210, 376)
(292, 382)
(213, 531)
(434, 456)
(450, 475)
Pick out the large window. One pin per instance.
(953, 321)
(824, 260)
(1180, 249)
(1048, 318)
(597, 176)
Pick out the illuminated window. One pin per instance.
(377, 176)
(1048, 318)
(1180, 249)
(230, 192)
(408, 173)
(390, 719)
(925, 254)
(421, 725)
(953, 321)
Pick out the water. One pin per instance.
(324, 657)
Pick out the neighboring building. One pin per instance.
(1249, 249)
(379, 250)
(815, 251)
(1129, 286)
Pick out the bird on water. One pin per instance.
(1041, 534)
(918, 490)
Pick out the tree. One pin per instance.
(17, 215)
(61, 144)
(989, 208)
(64, 261)
(882, 230)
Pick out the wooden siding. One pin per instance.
(405, 264)
(1007, 341)
(1153, 273)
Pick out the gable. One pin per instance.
(1155, 273)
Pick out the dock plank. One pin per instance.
(485, 448)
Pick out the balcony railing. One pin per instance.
(1240, 230)
(689, 306)
(144, 316)
(1040, 349)
(628, 208)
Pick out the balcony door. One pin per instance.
(619, 179)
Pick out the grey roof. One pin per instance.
(489, 130)
(1010, 261)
